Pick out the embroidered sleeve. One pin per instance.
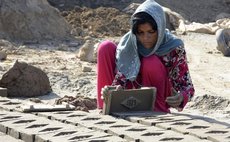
(179, 74)
(119, 79)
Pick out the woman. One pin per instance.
(148, 55)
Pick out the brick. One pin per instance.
(7, 138)
(220, 138)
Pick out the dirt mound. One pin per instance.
(100, 18)
(192, 10)
(31, 21)
(97, 22)
(67, 5)
(208, 102)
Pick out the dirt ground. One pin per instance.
(208, 67)
(210, 75)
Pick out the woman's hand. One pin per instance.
(175, 100)
(105, 91)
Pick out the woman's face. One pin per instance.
(147, 35)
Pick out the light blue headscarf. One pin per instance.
(127, 56)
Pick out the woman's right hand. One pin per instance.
(105, 91)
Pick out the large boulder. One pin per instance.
(209, 28)
(223, 41)
(23, 80)
(31, 21)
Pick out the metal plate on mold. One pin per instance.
(132, 100)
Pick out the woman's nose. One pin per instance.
(147, 36)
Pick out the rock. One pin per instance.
(209, 28)
(3, 55)
(86, 69)
(223, 40)
(131, 8)
(5, 43)
(224, 23)
(35, 100)
(86, 52)
(227, 2)
(173, 19)
(181, 29)
(23, 80)
(222, 16)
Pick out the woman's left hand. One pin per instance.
(175, 100)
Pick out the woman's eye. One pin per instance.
(140, 33)
(153, 31)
